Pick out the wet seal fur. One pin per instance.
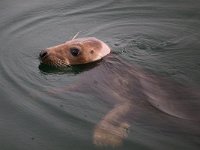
(129, 90)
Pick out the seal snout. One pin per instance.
(43, 54)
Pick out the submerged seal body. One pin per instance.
(131, 92)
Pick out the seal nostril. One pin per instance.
(43, 53)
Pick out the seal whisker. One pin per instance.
(75, 35)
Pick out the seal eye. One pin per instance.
(74, 51)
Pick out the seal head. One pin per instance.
(74, 52)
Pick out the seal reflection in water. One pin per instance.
(127, 88)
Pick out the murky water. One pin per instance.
(160, 36)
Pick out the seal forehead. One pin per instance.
(87, 44)
(82, 41)
(93, 43)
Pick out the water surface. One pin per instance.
(160, 36)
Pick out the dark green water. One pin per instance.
(160, 35)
